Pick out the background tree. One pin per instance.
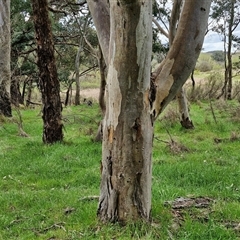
(65, 18)
(227, 16)
(128, 124)
(22, 52)
(48, 79)
(5, 46)
(72, 28)
(218, 56)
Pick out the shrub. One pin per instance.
(204, 66)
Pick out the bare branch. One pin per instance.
(160, 28)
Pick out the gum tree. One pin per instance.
(132, 105)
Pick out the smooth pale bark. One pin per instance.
(48, 79)
(127, 127)
(101, 17)
(5, 49)
(183, 109)
(183, 54)
(175, 16)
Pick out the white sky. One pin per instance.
(213, 41)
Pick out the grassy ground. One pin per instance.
(49, 192)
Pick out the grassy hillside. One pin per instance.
(50, 192)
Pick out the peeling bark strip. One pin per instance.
(127, 127)
(48, 79)
(183, 53)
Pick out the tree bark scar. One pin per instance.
(110, 134)
(152, 93)
(196, 34)
(137, 194)
(198, 48)
(113, 206)
(137, 132)
(109, 164)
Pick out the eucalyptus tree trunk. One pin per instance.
(127, 127)
(48, 79)
(5, 50)
(229, 51)
(131, 107)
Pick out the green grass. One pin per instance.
(43, 187)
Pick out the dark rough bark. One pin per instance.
(229, 52)
(103, 70)
(48, 79)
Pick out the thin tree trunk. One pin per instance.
(5, 51)
(77, 78)
(29, 91)
(184, 110)
(48, 79)
(224, 88)
(229, 53)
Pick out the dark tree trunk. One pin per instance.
(229, 53)
(5, 104)
(16, 97)
(103, 73)
(48, 79)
